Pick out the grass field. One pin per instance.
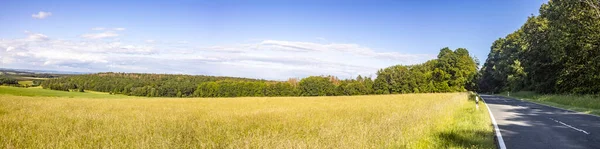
(26, 83)
(39, 92)
(30, 78)
(31, 119)
(583, 103)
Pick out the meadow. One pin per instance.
(39, 92)
(39, 118)
(29, 83)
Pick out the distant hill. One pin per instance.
(10, 71)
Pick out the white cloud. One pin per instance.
(344, 48)
(10, 48)
(102, 28)
(36, 36)
(6, 60)
(268, 59)
(78, 55)
(100, 35)
(41, 15)
(298, 59)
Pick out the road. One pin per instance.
(532, 126)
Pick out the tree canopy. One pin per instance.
(555, 52)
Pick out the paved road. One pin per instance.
(532, 126)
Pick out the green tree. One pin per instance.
(316, 86)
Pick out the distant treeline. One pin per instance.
(5, 80)
(557, 51)
(451, 71)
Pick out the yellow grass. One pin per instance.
(31, 78)
(384, 121)
(26, 83)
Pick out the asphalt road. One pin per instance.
(532, 126)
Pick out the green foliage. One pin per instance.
(454, 71)
(555, 52)
(149, 85)
(316, 86)
(360, 86)
(228, 88)
(4, 80)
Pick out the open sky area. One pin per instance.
(257, 39)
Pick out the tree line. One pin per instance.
(557, 51)
(137, 84)
(5, 80)
(452, 71)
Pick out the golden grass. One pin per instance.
(382, 121)
(31, 78)
(26, 83)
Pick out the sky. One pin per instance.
(262, 39)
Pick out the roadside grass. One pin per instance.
(589, 104)
(39, 92)
(471, 127)
(92, 120)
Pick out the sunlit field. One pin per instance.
(26, 83)
(86, 120)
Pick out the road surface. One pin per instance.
(532, 126)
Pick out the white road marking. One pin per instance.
(498, 135)
(587, 133)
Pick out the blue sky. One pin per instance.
(258, 39)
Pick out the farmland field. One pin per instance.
(38, 118)
(26, 83)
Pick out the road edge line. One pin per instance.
(501, 144)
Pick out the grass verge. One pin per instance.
(469, 127)
(589, 104)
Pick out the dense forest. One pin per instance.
(557, 51)
(452, 71)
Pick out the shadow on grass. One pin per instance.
(465, 139)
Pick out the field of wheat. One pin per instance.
(448, 120)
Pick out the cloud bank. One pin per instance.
(267, 59)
